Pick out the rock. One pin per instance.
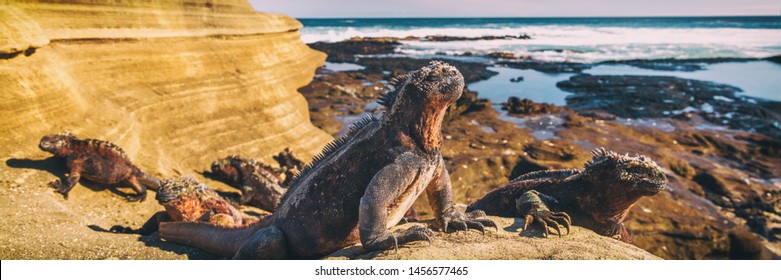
(776, 59)
(557, 50)
(468, 102)
(547, 67)
(664, 97)
(508, 244)
(472, 71)
(673, 64)
(518, 106)
(504, 55)
(345, 51)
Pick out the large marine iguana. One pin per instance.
(186, 200)
(98, 161)
(360, 186)
(597, 198)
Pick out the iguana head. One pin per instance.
(418, 101)
(637, 175)
(183, 198)
(58, 144)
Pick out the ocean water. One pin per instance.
(570, 39)
(587, 40)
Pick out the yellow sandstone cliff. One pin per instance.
(175, 83)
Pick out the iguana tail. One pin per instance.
(221, 241)
(151, 182)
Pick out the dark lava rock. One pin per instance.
(518, 106)
(672, 64)
(345, 51)
(664, 97)
(469, 102)
(472, 71)
(548, 67)
(557, 50)
(776, 59)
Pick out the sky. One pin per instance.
(515, 8)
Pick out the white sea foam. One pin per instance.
(582, 43)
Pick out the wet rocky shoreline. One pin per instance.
(723, 201)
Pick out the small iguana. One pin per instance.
(186, 200)
(260, 184)
(288, 165)
(98, 161)
(597, 198)
(360, 186)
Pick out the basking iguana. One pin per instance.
(360, 186)
(597, 198)
(98, 161)
(288, 165)
(186, 200)
(260, 184)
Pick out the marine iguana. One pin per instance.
(360, 186)
(186, 200)
(597, 198)
(289, 165)
(261, 185)
(98, 161)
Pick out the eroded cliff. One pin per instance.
(176, 84)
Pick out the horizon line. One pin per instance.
(516, 17)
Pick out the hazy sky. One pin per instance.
(515, 8)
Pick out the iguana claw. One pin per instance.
(546, 219)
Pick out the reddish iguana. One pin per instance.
(98, 161)
(597, 198)
(186, 200)
(360, 186)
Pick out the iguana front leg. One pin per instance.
(70, 179)
(532, 206)
(440, 197)
(385, 191)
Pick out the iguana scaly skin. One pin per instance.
(186, 200)
(261, 185)
(598, 198)
(360, 186)
(98, 161)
